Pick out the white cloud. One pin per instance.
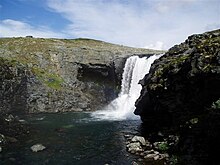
(164, 6)
(14, 28)
(157, 24)
(157, 46)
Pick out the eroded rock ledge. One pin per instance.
(180, 96)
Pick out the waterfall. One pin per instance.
(124, 105)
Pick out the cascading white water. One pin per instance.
(124, 105)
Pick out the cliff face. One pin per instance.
(51, 75)
(179, 92)
(184, 81)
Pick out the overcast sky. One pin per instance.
(157, 24)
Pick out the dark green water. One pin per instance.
(75, 139)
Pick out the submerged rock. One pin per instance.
(38, 147)
(2, 139)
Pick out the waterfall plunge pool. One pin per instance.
(73, 138)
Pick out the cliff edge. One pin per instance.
(181, 95)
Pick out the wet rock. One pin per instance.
(11, 139)
(150, 157)
(2, 139)
(134, 163)
(12, 160)
(134, 147)
(127, 136)
(139, 139)
(149, 152)
(38, 147)
(9, 118)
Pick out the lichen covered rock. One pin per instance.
(182, 82)
(181, 95)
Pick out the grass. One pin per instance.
(163, 146)
(52, 80)
(216, 105)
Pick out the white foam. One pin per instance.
(123, 106)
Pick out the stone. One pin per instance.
(0, 149)
(156, 157)
(2, 139)
(156, 152)
(134, 163)
(135, 147)
(151, 157)
(149, 152)
(9, 118)
(148, 145)
(139, 139)
(127, 136)
(11, 139)
(38, 147)
(162, 156)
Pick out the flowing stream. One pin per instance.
(85, 138)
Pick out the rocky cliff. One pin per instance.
(181, 95)
(56, 75)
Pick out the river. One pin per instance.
(73, 138)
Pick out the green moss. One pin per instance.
(163, 146)
(174, 160)
(194, 121)
(216, 104)
(40, 73)
(54, 81)
(174, 62)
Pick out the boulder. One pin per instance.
(180, 96)
(134, 147)
(38, 147)
(139, 139)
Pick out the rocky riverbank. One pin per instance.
(12, 131)
(180, 97)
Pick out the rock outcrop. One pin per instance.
(178, 94)
(56, 75)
